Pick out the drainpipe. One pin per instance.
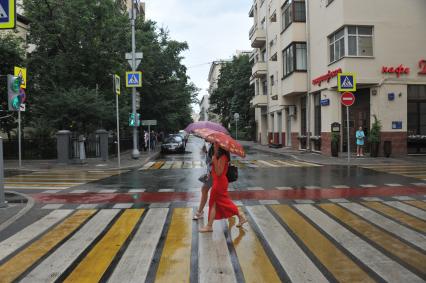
(267, 74)
(308, 62)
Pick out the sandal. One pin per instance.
(206, 229)
(198, 215)
(242, 221)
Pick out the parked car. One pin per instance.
(173, 143)
(184, 136)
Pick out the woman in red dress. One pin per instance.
(220, 205)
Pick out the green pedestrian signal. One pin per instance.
(13, 94)
(134, 122)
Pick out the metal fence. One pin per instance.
(31, 148)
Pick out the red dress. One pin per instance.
(225, 208)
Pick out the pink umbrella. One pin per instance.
(206, 125)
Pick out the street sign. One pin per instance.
(346, 82)
(236, 116)
(7, 14)
(22, 74)
(149, 122)
(347, 99)
(133, 79)
(117, 84)
(138, 57)
(22, 107)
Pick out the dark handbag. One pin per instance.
(203, 178)
(232, 173)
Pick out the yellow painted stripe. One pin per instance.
(384, 239)
(157, 165)
(398, 215)
(253, 260)
(39, 185)
(240, 164)
(176, 258)
(417, 203)
(18, 264)
(341, 266)
(94, 265)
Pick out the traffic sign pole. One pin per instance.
(117, 92)
(19, 137)
(135, 152)
(347, 128)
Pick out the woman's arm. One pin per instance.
(219, 165)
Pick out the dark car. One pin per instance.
(173, 143)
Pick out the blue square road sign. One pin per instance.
(346, 82)
(133, 79)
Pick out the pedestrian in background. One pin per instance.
(220, 204)
(146, 139)
(207, 181)
(360, 136)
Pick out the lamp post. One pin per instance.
(236, 118)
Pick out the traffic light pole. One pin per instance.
(19, 137)
(2, 202)
(135, 152)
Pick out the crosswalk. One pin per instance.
(412, 171)
(323, 242)
(189, 164)
(55, 180)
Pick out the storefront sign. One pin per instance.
(327, 77)
(422, 66)
(396, 70)
(325, 102)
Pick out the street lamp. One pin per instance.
(236, 118)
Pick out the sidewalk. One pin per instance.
(341, 160)
(127, 162)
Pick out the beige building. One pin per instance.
(300, 47)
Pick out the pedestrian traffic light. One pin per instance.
(13, 93)
(134, 122)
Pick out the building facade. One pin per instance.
(301, 46)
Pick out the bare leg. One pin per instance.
(361, 149)
(209, 226)
(203, 201)
(242, 219)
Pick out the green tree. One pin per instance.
(11, 54)
(233, 95)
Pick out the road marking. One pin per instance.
(51, 192)
(408, 209)
(371, 199)
(187, 165)
(255, 189)
(403, 198)
(418, 204)
(53, 206)
(388, 269)
(136, 190)
(87, 206)
(213, 255)
(284, 188)
(42, 183)
(107, 191)
(312, 187)
(368, 186)
(167, 165)
(197, 164)
(30, 232)
(136, 260)
(341, 187)
(159, 204)
(419, 184)
(94, 265)
(401, 217)
(291, 257)
(78, 191)
(33, 188)
(18, 264)
(157, 165)
(268, 201)
(267, 164)
(175, 261)
(287, 163)
(393, 185)
(177, 165)
(146, 166)
(253, 259)
(122, 205)
(304, 201)
(337, 200)
(55, 265)
(392, 245)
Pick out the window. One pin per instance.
(294, 58)
(263, 57)
(351, 41)
(317, 114)
(292, 11)
(329, 2)
(303, 116)
(265, 87)
(272, 80)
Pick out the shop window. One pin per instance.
(294, 58)
(292, 11)
(416, 119)
(351, 41)
(317, 114)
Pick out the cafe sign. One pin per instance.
(399, 70)
(327, 77)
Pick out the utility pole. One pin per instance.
(135, 152)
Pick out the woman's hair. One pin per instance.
(224, 152)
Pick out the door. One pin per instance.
(280, 128)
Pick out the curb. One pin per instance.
(22, 212)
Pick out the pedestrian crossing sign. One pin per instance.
(7, 14)
(22, 73)
(133, 79)
(346, 82)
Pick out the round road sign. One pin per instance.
(347, 99)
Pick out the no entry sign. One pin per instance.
(347, 99)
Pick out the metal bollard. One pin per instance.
(2, 202)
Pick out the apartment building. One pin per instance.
(301, 46)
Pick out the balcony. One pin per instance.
(251, 12)
(257, 37)
(259, 70)
(259, 101)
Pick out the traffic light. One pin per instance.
(134, 122)
(13, 92)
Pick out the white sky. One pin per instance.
(214, 29)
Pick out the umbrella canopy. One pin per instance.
(206, 125)
(226, 142)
